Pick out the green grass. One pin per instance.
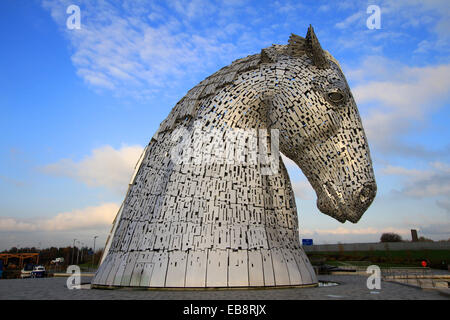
(87, 266)
(385, 258)
(351, 263)
(382, 265)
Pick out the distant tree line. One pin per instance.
(390, 237)
(394, 237)
(70, 254)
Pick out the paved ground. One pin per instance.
(352, 287)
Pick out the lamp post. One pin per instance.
(93, 254)
(81, 252)
(73, 249)
(78, 253)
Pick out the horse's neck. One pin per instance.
(215, 180)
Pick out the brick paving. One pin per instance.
(351, 287)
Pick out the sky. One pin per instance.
(79, 105)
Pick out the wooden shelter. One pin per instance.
(21, 256)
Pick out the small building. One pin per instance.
(414, 237)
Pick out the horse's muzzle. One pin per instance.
(349, 208)
(362, 202)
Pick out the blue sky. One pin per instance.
(78, 106)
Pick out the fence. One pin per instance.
(380, 246)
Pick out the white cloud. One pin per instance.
(444, 204)
(12, 181)
(427, 227)
(433, 182)
(350, 20)
(303, 190)
(323, 8)
(105, 167)
(408, 90)
(357, 231)
(401, 22)
(431, 15)
(79, 219)
(398, 99)
(137, 49)
(441, 230)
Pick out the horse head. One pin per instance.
(319, 125)
(197, 220)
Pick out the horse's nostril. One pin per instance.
(365, 194)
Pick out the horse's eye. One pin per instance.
(335, 97)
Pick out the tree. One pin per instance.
(390, 237)
(423, 239)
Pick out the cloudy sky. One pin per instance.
(79, 105)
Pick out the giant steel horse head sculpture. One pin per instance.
(193, 218)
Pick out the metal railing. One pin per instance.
(424, 278)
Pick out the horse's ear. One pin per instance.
(296, 45)
(315, 50)
(265, 58)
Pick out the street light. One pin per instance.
(81, 252)
(73, 249)
(82, 245)
(78, 253)
(93, 255)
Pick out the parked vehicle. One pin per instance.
(26, 271)
(57, 261)
(38, 272)
(1, 268)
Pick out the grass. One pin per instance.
(87, 267)
(382, 265)
(386, 258)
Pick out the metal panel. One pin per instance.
(160, 261)
(116, 263)
(138, 271)
(137, 274)
(147, 274)
(131, 262)
(217, 268)
(101, 273)
(304, 272)
(280, 268)
(176, 271)
(295, 277)
(120, 270)
(307, 265)
(238, 268)
(255, 269)
(269, 276)
(196, 269)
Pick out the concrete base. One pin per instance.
(96, 286)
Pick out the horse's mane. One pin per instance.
(187, 107)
